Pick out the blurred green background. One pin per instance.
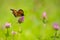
(33, 27)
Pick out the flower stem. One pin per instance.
(7, 34)
(13, 37)
(55, 35)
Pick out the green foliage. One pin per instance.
(33, 27)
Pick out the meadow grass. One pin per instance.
(32, 27)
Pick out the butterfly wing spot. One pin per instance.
(22, 14)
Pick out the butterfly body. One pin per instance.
(18, 13)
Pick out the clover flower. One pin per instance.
(56, 26)
(13, 32)
(21, 19)
(7, 25)
(44, 16)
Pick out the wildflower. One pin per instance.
(7, 25)
(44, 17)
(56, 26)
(13, 32)
(21, 19)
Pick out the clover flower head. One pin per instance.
(21, 19)
(7, 25)
(13, 32)
(56, 26)
(44, 15)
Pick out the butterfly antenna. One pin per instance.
(11, 9)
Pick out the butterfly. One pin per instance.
(17, 13)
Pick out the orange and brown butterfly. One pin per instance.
(17, 13)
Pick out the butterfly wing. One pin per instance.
(20, 12)
(14, 12)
